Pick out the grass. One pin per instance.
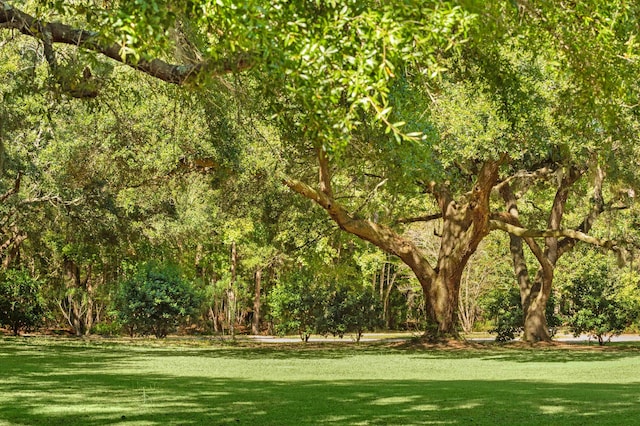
(199, 382)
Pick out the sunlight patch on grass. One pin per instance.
(98, 408)
(552, 409)
(335, 419)
(468, 406)
(393, 400)
(424, 407)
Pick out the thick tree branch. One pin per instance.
(554, 233)
(55, 200)
(425, 218)
(13, 190)
(541, 173)
(324, 176)
(55, 32)
(597, 208)
(379, 235)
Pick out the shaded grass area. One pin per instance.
(65, 382)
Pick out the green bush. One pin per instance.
(598, 300)
(305, 304)
(155, 300)
(352, 310)
(113, 328)
(502, 305)
(296, 304)
(21, 303)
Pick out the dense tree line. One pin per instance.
(379, 154)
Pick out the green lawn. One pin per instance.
(66, 381)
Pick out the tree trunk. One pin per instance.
(78, 305)
(532, 299)
(463, 228)
(255, 324)
(382, 278)
(386, 308)
(467, 306)
(441, 302)
(231, 297)
(534, 308)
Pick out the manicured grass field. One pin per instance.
(146, 382)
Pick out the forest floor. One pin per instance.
(183, 381)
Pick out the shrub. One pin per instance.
(156, 299)
(503, 306)
(599, 302)
(108, 329)
(296, 304)
(352, 310)
(21, 303)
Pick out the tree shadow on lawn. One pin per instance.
(524, 353)
(96, 399)
(79, 351)
(521, 352)
(76, 386)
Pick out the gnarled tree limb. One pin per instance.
(554, 233)
(56, 32)
(380, 235)
(541, 173)
(13, 190)
(425, 218)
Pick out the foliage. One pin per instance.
(156, 299)
(352, 310)
(502, 304)
(323, 303)
(150, 171)
(21, 303)
(111, 328)
(597, 301)
(297, 303)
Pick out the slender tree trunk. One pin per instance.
(255, 324)
(90, 311)
(382, 278)
(467, 307)
(231, 297)
(386, 314)
(78, 306)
